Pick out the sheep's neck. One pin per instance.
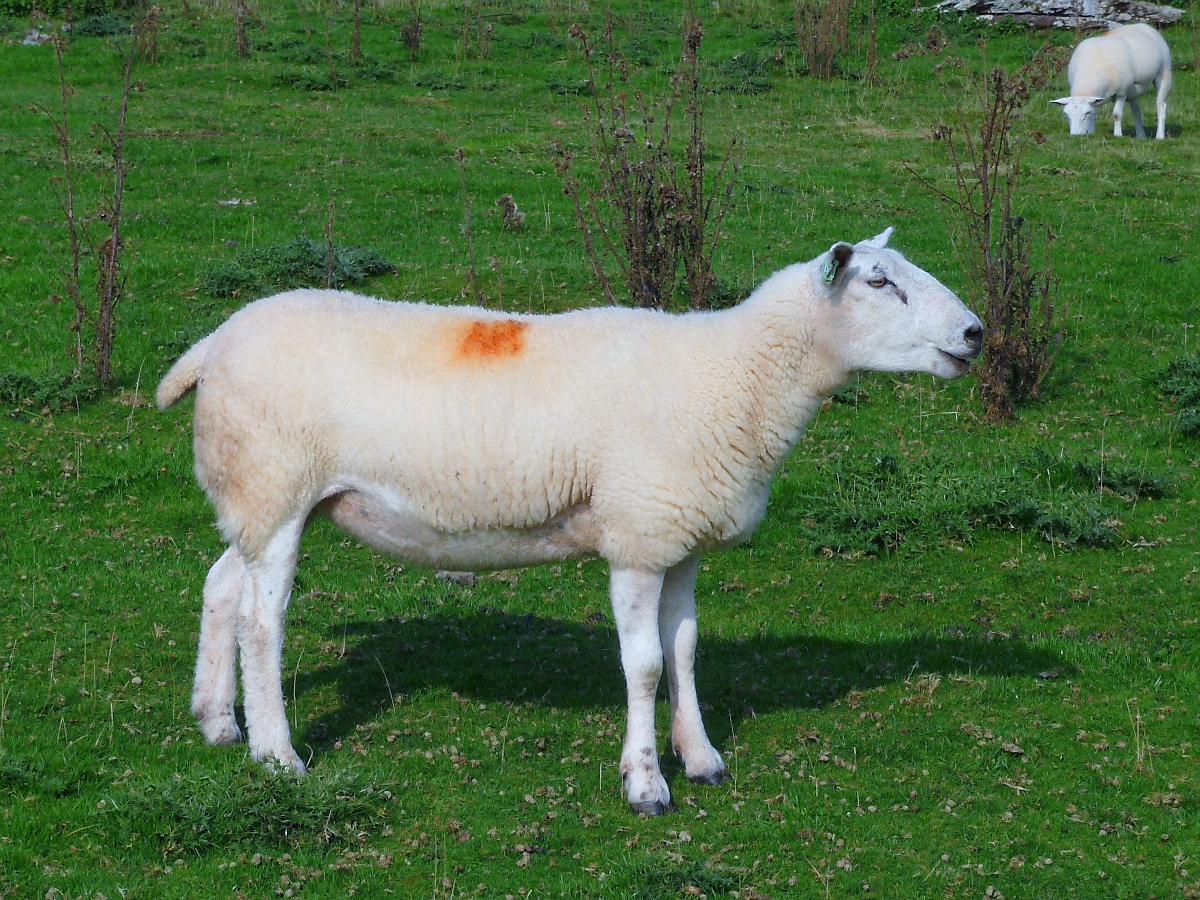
(789, 369)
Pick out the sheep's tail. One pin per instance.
(183, 375)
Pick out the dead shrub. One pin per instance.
(1024, 327)
(94, 324)
(823, 34)
(650, 212)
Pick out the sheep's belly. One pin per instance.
(403, 534)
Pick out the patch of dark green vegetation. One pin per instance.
(251, 807)
(438, 81)
(301, 263)
(1181, 382)
(691, 878)
(189, 45)
(50, 775)
(53, 391)
(313, 80)
(105, 25)
(887, 503)
(747, 72)
(54, 8)
(573, 86)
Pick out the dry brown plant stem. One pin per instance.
(62, 134)
(111, 278)
(239, 28)
(468, 225)
(356, 36)
(411, 31)
(329, 251)
(703, 208)
(146, 35)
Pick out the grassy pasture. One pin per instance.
(948, 664)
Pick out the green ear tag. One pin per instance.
(829, 269)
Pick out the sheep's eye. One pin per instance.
(877, 281)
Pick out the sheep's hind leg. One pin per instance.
(215, 687)
(261, 618)
(677, 629)
(1138, 128)
(635, 601)
(1160, 102)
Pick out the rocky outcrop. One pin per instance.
(1081, 14)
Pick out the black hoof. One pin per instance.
(648, 808)
(715, 778)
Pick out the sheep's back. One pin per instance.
(1116, 62)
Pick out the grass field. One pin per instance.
(957, 659)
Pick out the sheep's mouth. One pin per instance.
(961, 362)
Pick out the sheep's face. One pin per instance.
(895, 317)
(1081, 113)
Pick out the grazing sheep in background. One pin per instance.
(1120, 65)
(467, 439)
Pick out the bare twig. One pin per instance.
(110, 278)
(239, 28)
(411, 31)
(329, 250)
(356, 35)
(468, 224)
(62, 134)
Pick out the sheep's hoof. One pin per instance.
(651, 807)
(713, 778)
(221, 730)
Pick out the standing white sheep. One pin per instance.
(1120, 65)
(467, 439)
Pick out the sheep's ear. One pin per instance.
(880, 240)
(1061, 101)
(1096, 101)
(834, 263)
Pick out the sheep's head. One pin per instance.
(891, 316)
(1081, 112)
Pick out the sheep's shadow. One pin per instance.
(496, 657)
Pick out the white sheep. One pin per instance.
(468, 439)
(1120, 65)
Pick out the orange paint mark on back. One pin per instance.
(493, 339)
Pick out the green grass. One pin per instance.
(955, 656)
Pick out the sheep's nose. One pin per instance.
(974, 338)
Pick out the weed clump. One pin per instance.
(53, 391)
(747, 72)
(252, 808)
(106, 25)
(1181, 382)
(887, 503)
(301, 263)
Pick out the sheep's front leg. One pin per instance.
(677, 629)
(1138, 128)
(215, 687)
(260, 635)
(1118, 112)
(635, 602)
